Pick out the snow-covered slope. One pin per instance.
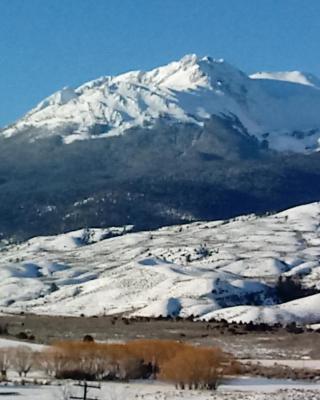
(304, 78)
(199, 268)
(282, 109)
(301, 311)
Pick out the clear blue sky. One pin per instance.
(48, 44)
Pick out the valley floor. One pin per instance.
(277, 344)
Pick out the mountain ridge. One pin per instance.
(190, 90)
(304, 78)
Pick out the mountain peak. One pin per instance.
(193, 71)
(195, 59)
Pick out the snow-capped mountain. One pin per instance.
(222, 269)
(192, 140)
(281, 109)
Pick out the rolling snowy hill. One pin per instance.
(282, 109)
(222, 269)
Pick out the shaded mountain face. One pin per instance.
(196, 139)
(147, 178)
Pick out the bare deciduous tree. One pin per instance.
(22, 359)
(5, 356)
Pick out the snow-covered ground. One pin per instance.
(9, 343)
(207, 269)
(282, 108)
(315, 327)
(303, 363)
(240, 389)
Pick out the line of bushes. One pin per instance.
(184, 365)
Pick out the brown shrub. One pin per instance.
(154, 352)
(90, 360)
(196, 367)
(52, 361)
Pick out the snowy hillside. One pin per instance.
(282, 109)
(197, 269)
(302, 311)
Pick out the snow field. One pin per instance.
(238, 390)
